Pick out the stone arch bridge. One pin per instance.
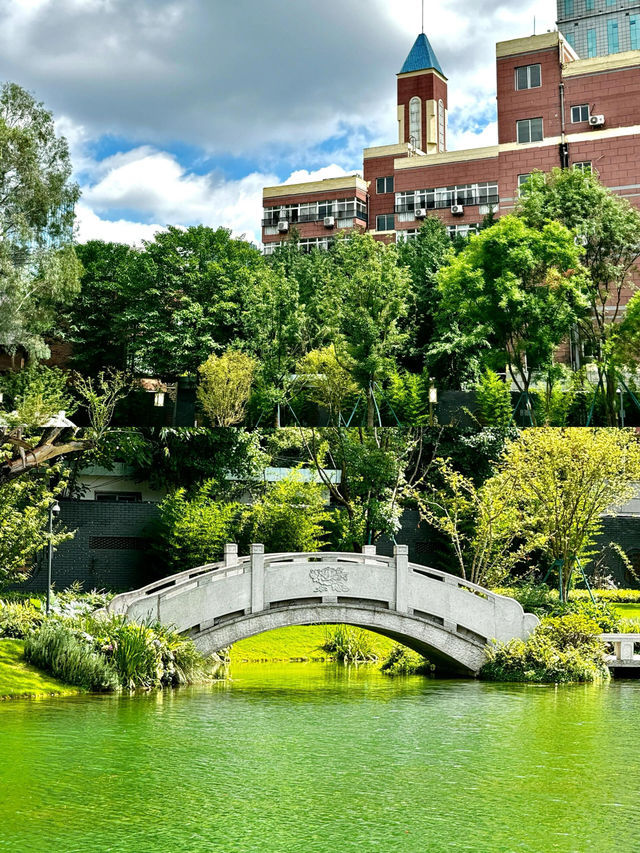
(443, 617)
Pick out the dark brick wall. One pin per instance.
(108, 550)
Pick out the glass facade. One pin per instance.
(598, 29)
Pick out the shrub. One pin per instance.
(192, 531)
(69, 655)
(289, 517)
(403, 661)
(600, 612)
(561, 650)
(19, 619)
(147, 656)
(493, 397)
(349, 645)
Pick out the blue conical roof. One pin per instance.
(422, 57)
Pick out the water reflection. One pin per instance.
(309, 757)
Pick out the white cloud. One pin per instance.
(303, 176)
(91, 227)
(158, 189)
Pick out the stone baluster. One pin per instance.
(401, 554)
(230, 556)
(257, 578)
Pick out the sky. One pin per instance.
(179, 112)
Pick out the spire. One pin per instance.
(422, 57)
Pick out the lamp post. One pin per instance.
(53, 509)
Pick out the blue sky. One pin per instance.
(180, 111)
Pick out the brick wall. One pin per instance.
(108, 550)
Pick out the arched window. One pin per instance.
(441, 125)
(415, 121)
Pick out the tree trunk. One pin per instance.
(370, 408)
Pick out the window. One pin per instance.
(611, 2)
(580, 113)
(119, 497)
(386, 222)
(590, 5)
(529, 130)
(592, 43)
(384, 185)
(634, 31)
(441, 125)
(612, 36)
(568, 8)
(583, 167)
(522, 180)
(415, 121)
(528, 77)
(485, 193)
(571, 40)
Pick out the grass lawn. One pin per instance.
(627, 611)
(19, 679)
(301, 642)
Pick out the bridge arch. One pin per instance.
(447, 619)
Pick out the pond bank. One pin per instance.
(295, 644)
(21, 680)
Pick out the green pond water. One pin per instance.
(311, 757)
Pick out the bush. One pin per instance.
(19, 619)
(192, 531)
(493, 398)
(290, 516)
(147, 656)
(70, 656)
(561, 650)
(600, 612)
(349, 645)
(403, 661)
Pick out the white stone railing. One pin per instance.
(238, 586)
(623, 646)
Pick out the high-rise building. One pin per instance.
(600, 27)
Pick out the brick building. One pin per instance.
(600, 27)
(554, 109)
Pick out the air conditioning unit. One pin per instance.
(329, 221)
(596, 121)
(283, 226)
(421, 213)
(457, 209)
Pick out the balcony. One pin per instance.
(445, 204)
(294, 218)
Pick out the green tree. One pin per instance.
(609, 228)
(34, 394)
(190, 297)
(481, 523)
(423, 257)
(275, 331)
(562, 482)
(192, 530)
(493, 396)
(290, 516)
(521, 289)
(39, 270)
(378, 469)
(367, 307)
(327, 382)
(103, 322)
(24, 516)
(225, 386)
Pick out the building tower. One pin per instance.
(600, 27)
(422, 100)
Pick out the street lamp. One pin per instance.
(53, 509)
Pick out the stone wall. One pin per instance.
(110, 549)
(111, 546)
